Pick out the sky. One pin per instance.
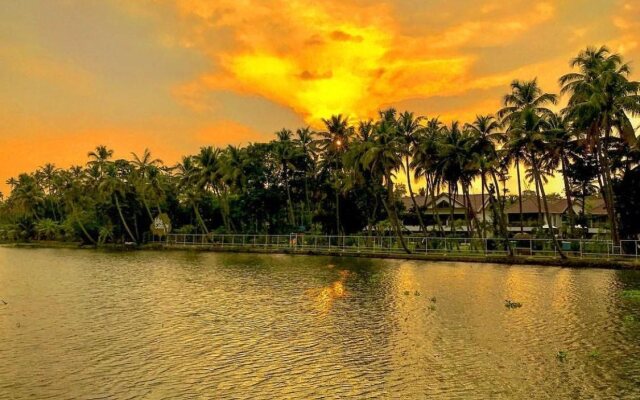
(175, 75)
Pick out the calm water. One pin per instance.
(88, 324)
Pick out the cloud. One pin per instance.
(323, 58)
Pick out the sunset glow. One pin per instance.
(173, 75)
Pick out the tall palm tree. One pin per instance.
(561, 145)
(601, 98)
(525, 95)
(189, 177)
(113, 186)
(305, 143)
(383, 159)
(486, 134)
(285, 152)
(453, 150)
(99, 158)
(532, 128)
(425, 157)
(408, 127)
(334, 142)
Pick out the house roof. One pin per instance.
(594, 206)
(475, 200)
(530, 206)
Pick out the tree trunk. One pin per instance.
(393, 215)
(434, 210)
(337, 203)
(483, 233)
(502, 216)
(413, 199)
(199, 218)
(538, 179)
(82, 227)
(567, 190)
(605, 169)
(292, 218)
(124, 222)
(452, 225)
(520, 195)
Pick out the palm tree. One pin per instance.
(531, 127)
(113, 186)
(305, 143)
(383, 159)
(452, 160)
(334, 142)
(560, 138)
(486, 133)
(425, 157)
(525, 95)
(99, 158)
(408, 127)
(189, 176)
(285, 153)
(601, 97)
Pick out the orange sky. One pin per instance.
(173, 75)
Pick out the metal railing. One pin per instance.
(573, 248)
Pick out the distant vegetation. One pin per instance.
(343, 179)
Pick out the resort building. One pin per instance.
(449, 211)
(590, 217)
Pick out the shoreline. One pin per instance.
(616, 264)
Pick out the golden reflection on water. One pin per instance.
(89, 324)
(325, 297)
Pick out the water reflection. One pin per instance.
(80, 324)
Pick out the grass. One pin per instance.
(632, 294)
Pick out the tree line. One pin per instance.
(344, 178)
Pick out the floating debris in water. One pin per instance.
(562, 356)
(432, 307)
(512, 304)
(416, 293)
(433, 299)
(3, 302)
(406, 292)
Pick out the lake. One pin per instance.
(95, 324)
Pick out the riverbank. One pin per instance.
(612, 263)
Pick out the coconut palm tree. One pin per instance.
(333, 143)
(486, 134)
(189, 177)
(114, 186)
(601, 99)
(306, 145)
(408, 127)
(383, 159)
(532, 128)
(285, 153)
(99, 158)
(424, 159)
(525, 95)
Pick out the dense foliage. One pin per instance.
(344, 178)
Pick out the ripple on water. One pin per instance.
(85, 324)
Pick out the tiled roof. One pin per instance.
(530, 206)
(475, 200)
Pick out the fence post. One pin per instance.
(580, 248)
(446, 250)
(426, 245)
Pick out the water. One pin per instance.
(89, 324)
